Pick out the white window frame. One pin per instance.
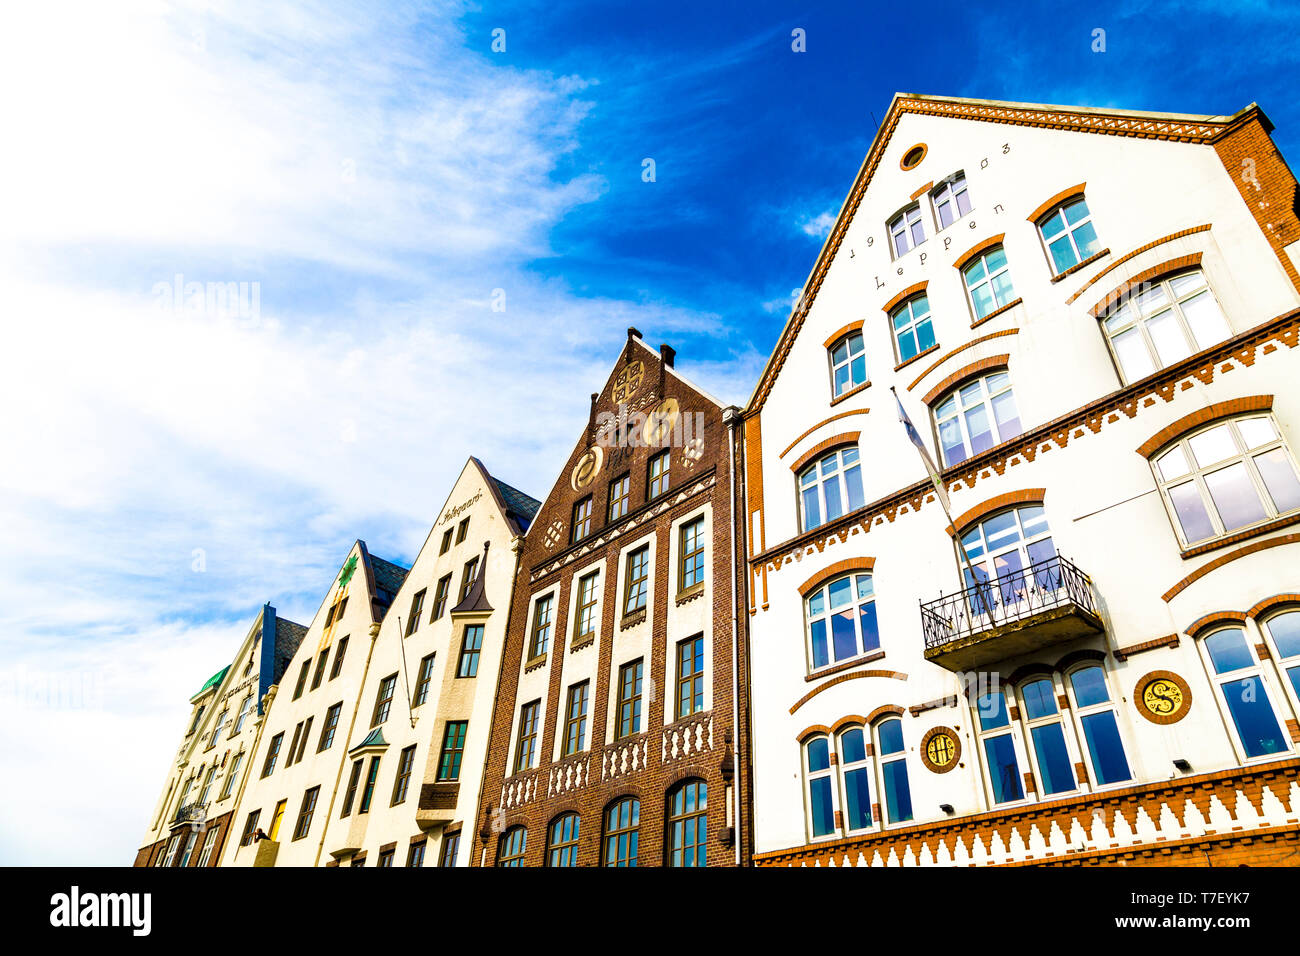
(850, 354)
(814, 468)
(1256, 670)
(209, 841)
(1069, 230)
(244, 707)
(1281, 663)
(856, 603)
(989, 276)
(950, 190)
(880, 760)
(914, 321)
(1028, 724)
(987, 394)
(231, 775)
(1077, 713)
(903, 223)
(1138, 319)
(1196, 474)
(809, 776)
(1012, 728)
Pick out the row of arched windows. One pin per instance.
(685, 836)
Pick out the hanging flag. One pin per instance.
(930, 468)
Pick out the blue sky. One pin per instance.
(384, 178)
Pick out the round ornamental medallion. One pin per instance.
(553, 534)
(1162, 697)
(588, 466)
(659, 423)
(628, 381)
(940, 749)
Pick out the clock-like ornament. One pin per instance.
(659, 423)
(587, 468)
(940, 749)
(1162, 697)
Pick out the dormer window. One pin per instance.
(906, 230)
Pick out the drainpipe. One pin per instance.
(729, 416)
(343, 755)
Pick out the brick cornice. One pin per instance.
(1189, 261)
(1048, 205)
(903, 296)
(882, 710)
(1175, 430)
(843, 331)
(982, 246)
(966, 371)
(834, 570)
(1027, 496)
(1136, 252)
(1269, 603)
(849, 720)
(1213, 619)
(843, 438)
(810, 730)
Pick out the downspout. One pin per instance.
(517, 546)
(730, 417)
(343, 756)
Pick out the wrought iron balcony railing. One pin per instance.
(191, 813)
(1007, 599)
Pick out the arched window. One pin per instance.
(243, 714)
(564, 840)
(1012, 549)
(988, 282)
(817, 769)
(1159, 323)
(893, 770)
(913, 330)
(848, 359)
(513, 843)
(1047, 736)
(1228, 476)
(830, 487)
(1095, 711)
(975, 416)
(998, 747)
(855, 779)
(906, 230)
(1284, 630)
(1068, 234)
(842, 621)
(688, 829)
(1239, 678)
(951, 199)
(622, 826)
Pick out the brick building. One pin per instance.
(615, 734)
(1091, 655)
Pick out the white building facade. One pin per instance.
(1091, 318)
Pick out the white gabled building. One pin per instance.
(1091, 317)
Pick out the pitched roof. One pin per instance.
(523, 508)
(214, 680)
(388, 575)
(1179, 127)
(373, 739)
(476, 600)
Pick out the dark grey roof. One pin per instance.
(519, 506)
(288, 635)
(388, 575)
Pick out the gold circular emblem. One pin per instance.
(628, 381)
(588, 466)
(1162, 697)
(940, 749)
(659, 423)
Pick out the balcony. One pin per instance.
(1047, 603)
(190, 813)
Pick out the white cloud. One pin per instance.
(379, 181)
(819, 225)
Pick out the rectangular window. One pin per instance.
(450, 847)
(250, 828)
(209, 842)
(302, 679)
(386, 857)
(290, 757)
(470, 648)
(350, 795)
(581, 519)
(1069, 235)
(584, 627)
(302, 744)
(988, 282)
(423, 681)
(638, 579)
(690, 676)
(1159, 323)
(417, 608)
(383, 700)
(629, 699)
(440, 596)
(527, 736)
(415, 855)
(320, 668)
(446, 542)
(232, 775)
(619, 496)
(272, 753)
(369, 793)
(541, 627)
(848, 358)
(691, 571)
(305, 813)
(658, 479)
(453, 749)
(405, 762)
(338, 658)
(330, 726)
(276, 818)
(467, 578)
(974, 417)
(575, 721)
(462, 529)
(951, 200)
